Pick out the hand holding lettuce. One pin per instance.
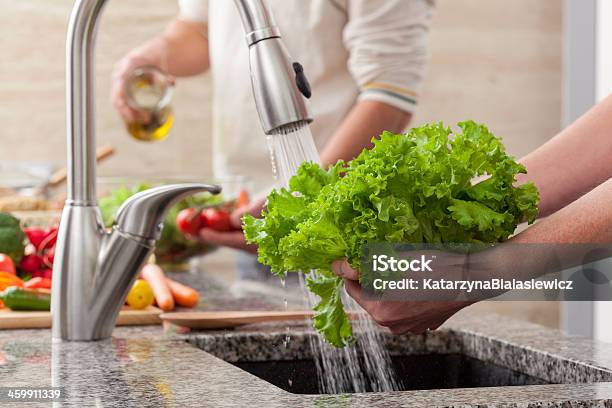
(414, 188)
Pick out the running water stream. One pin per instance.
(365, 365)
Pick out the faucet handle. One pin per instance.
(143, 213)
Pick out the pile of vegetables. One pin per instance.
(26, 269)
(165, 292)
(26, 259)
(414, 188)
(27, 252)
(37, 263)
(191, 221)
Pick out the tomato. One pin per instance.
(188, 221)
(7, 265)
(218, 220)
(204, 218)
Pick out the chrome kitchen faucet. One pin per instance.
(94, 268)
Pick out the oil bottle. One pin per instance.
(149, 91)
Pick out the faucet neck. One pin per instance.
(257, 21)
(81, 103)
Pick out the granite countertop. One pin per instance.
(143, 366)
(149, 367)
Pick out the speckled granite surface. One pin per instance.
(144, 367)
(147, 367)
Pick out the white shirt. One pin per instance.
(351, 50)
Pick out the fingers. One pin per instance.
(426, 316)
(119, 102)
(342, 268)
(416, 327)
(236, 217)
(232, 239)
(118, 95)
(237, 214)
(254, 208)
(122, 71)
(353, 289)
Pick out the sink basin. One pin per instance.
(415, 372)
(443, 359)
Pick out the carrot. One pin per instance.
(156, 278)
(243, 199)
(184, 295)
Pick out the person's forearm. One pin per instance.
(577, 234)
(586, 220)
(575, 161)
(182, 50)
(366, 120)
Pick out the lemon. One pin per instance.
(141, 295)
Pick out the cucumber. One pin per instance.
(17, 298)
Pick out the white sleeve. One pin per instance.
(387, 42)
(193, 10)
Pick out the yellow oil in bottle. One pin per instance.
(156, 129)
(149, 92)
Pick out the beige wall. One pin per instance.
(498, 62)
(32, 88)
(495, 61)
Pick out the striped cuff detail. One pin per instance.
(401, 98)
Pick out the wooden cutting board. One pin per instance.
(10, 319)
(230, 319)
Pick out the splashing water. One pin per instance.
(289, 147)
(361, 367)
(287, 338)
(365, 365)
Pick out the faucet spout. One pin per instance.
(143, 214)
(94, 268)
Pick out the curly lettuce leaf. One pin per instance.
(415, 188)
(331, 320)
